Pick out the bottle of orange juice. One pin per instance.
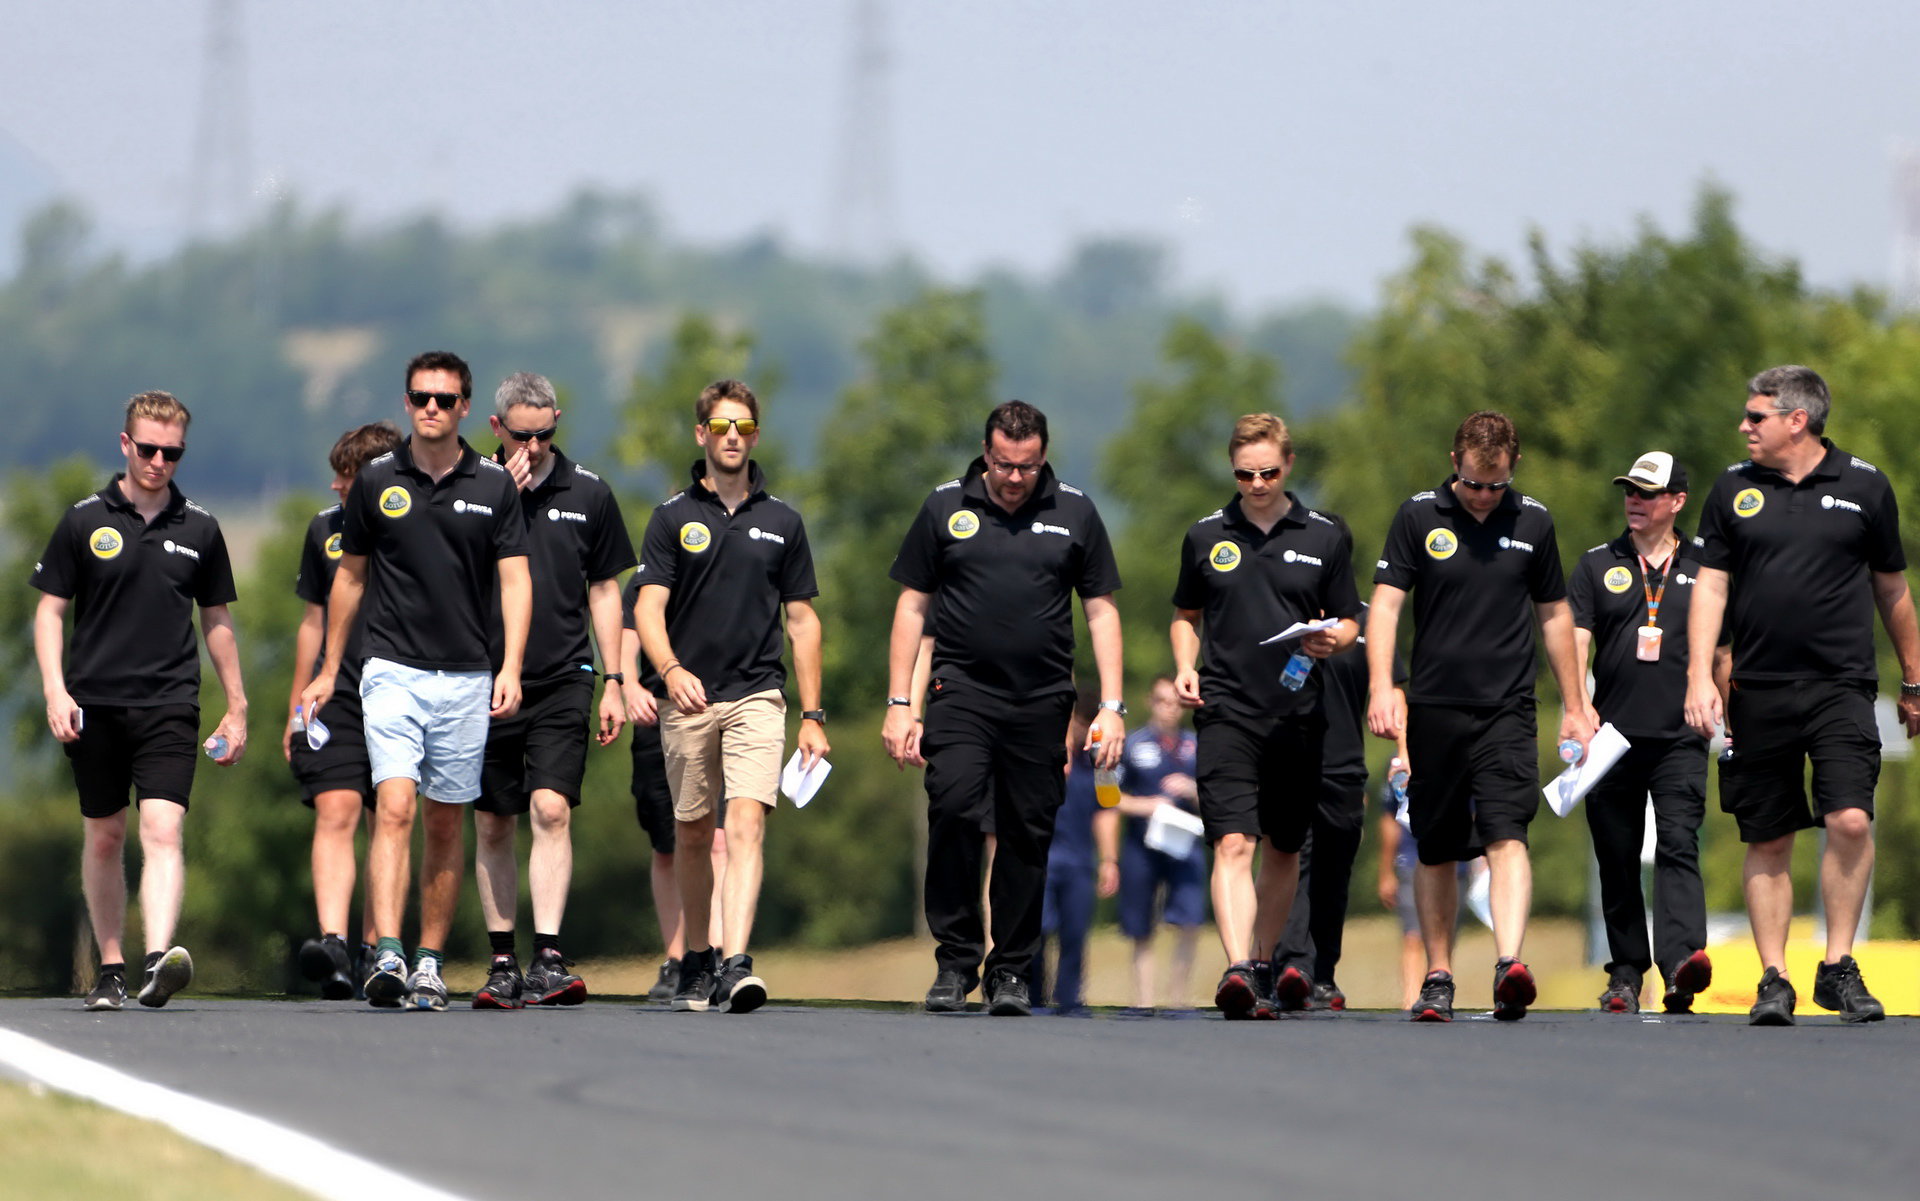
(1106, 782)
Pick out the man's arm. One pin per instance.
(1103, 627)
(1106, 841)
(1577, 720)
(1184, 634)
(216, 627)
(1704, 614)
(1895, 602)
(641, 709)
(343, 605)
(686, 690)
(516, 614)
(306, 648)
(803, 632)
(49, 637)
(1384, 717)
(603, 607)
(903, 648)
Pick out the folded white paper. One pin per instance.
(317, 734)
(801, 785)
(1579, 778)
(1173, 831)
(1299, 628)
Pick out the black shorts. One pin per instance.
(652, 799)
(1259, 776)
(150, 752)
(341, 765)
(1476, 777)
(1776, 729)
(543, 745)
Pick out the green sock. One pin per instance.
(392, 945)
(427, 956)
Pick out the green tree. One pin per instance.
(656, 425)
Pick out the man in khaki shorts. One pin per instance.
(721, 561)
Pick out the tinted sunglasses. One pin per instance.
(1753, 418)
(446, 400)
(1640, 493)
(1247, 475)
(718, 426)
(1477, 486)
(146, 450)
(545, 435)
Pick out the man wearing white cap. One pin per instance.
(1630, 601)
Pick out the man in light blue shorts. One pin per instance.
(426, 531)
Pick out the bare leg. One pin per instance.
(746, 835)
(666, 906)
(1273, 887)
(986, 883)
(336, 816)
(163, 870)
(716, 934)
(1436, 894)
(441, 861)
(1411, 957)
(103, 879)
(390, 854)
(1769, 886)
(693, 868)
(1143, 973)
(1511, 888)
(1846, 867)
(496, 869)
(1186, 945)
(1233, 895)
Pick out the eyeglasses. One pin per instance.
(146, 450)
(1477, 486)
(1749, 417)
(545, 435)
(446, 400)
(1640, 493)
(1002, 467)
(1248, 475)
(717, 427)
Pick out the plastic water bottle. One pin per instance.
(217, 747)
(1106, 781)
(1297, 670)
(1397, 777)
(1571, 750)
(299, 719)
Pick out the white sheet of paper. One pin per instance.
(1299, 628)
(1579, 778)
(317, 734)
(801, 785)
(1173, 831)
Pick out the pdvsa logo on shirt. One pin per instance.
(1834, 502)
(467, 506)
(566, 515)
(695, 537)
(1294, 556)
(396, 502)
(180, 548)
(333, 547)
(1507, 543)
(963, 524)
(1617, 580)
(1224, 556)
(106, 543)
(760, 535)
(1441, 544)
(1747, 502)
(1041, 527)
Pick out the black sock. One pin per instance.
(114, 969)
(501, 941)
(153, 959)
(543, 943)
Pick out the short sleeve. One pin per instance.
(659, 552)
(214, 582)
(311, 584)
(1399, 565)
(1580, 592)
(58, 572)
(1546, 582)
(917, 565)
(1190, 586)
(355, 536)
(612, 550)
(1099, 573)
(796, 568)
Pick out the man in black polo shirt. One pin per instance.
(720, 563)
(134, 559)
(1482, 563)
(997, 556)
(428, 529)
(1248, 571)
(577, 546)
(1630, 601)
(1802, 543)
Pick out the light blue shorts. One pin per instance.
(427, 726)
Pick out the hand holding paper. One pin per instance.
(1574, 783)
(801, 783)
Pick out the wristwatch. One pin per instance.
(898, 700)
(1907, 689)
(819, 715)
(615, 677)
(1119, 707)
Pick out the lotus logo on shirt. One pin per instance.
(333, 546)
(963, 524)
(105, 543)
(1617, 580)
(1441, 544)
(396, 501)
(1748, 502)
(1224, 556)
(695, 537)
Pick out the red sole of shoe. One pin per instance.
(1432, 1015)
(1615, 1007)
(1236, 999)
(1292, 988)
(1695, 974)
(486, 1000)
(1517, 989)
(572, 994)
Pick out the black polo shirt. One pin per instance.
(575, 537)
(319, 563)
(1249, 586)
(1799, 557)
(1003, 583)
(629, 596)
(431, 548)
(1474, 586)
(728, 576)
(1609, 597)
(133, 586)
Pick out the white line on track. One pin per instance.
(299, 1159)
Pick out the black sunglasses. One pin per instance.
(446, 400)
(545, 435)
(1753, 418)
(1477, 486)
(1640, 493)
(146, 450)
(1247, 475)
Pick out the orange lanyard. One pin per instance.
(1654, 598)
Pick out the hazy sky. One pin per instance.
(1281, 150)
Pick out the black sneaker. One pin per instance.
(1623, 990)
(1265, 1006)
(109, 991)
(1291, 990)
(504, 989)
(736, 989)
(1327, 995)
(168, 972)
(550, 983)
(1436, 999)
(1689, 977)
(325, 961)
(1237, 994)
(1774, 1006)
(949, 992)
(1513, 990)
(367, 963)
(1007, 994)
(696, 981)
(669, 980)
(1838, 986)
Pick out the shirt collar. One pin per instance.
(1234, 513)
(559, 477)
(1445, 498)
(466, 464)
(756, 483)
(116, 499)
(1623, 545)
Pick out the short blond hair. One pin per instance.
(1260, 427)
(163, 407)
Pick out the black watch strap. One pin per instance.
(615, 677)
(819, 715)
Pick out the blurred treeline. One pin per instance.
(874, 385)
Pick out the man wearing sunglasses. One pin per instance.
(1798, 546)
(428, 531)
(577, 546)
(133, 560)
(1630, 601)
(721, 562)
(997, 556)
(1260, 565)
(1483, 566)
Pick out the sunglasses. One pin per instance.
(446, 400)
(717, 427)
(1247, 475)
(146, 450)
(1477, 486)
(1640, 493)
(1749, 417)
(545, 435)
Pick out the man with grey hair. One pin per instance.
(577, 546)
(1798, 546)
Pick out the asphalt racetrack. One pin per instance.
(623, 1099)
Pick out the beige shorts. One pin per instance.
(731, 750)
